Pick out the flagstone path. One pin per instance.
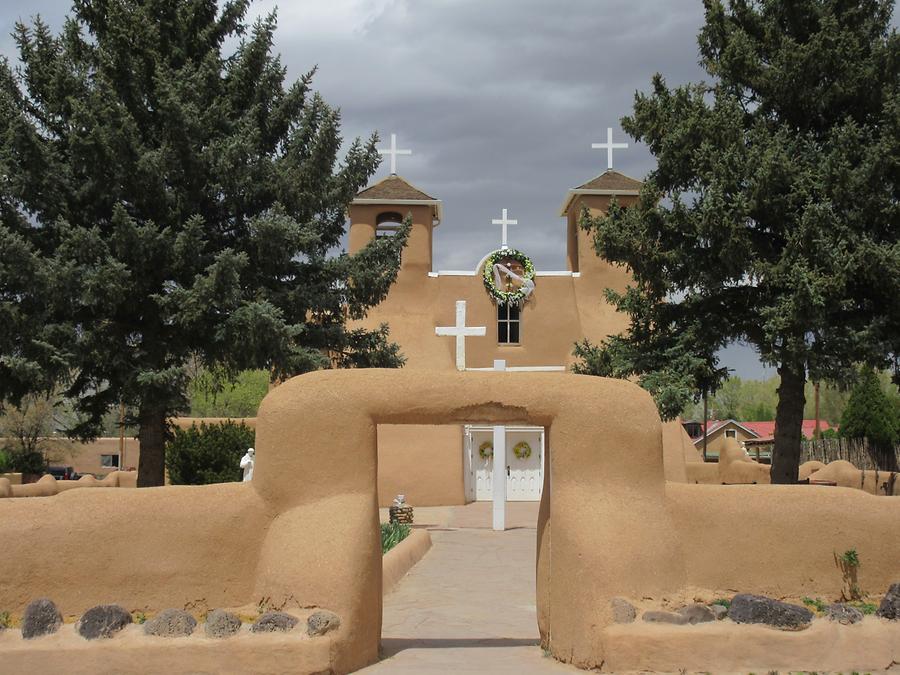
(468, 606)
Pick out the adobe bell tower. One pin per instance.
(379, 210)
(596, 195)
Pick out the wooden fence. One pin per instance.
(857, 451)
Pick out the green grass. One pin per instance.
(816, 603)
(5, 621)
(864, 607)
(392, 534)
(722, 601)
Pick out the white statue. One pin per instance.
(527, 284)
(247, 464)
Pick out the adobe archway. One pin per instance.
(608, 493)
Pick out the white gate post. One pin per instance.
(498, 475)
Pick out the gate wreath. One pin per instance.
(522, 450)
(486, 450)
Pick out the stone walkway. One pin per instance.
(468, 606)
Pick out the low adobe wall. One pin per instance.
(47, 486)
(303, 533)
(735, 466)
(399, 560)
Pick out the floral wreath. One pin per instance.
(522, 450)
(486, 450)
(487, 275)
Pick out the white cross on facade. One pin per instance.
(504, 222)
(460, 331)
(609, 146)
(393, 152)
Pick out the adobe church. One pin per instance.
(501, 308)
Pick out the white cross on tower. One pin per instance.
(460, 331)
(393, 152)
(504, 221)
(610, 146)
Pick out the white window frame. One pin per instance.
(731, 433)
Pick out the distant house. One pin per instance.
(767, 429)
(720, 430)
(717, 433)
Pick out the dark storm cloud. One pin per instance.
(499, 100)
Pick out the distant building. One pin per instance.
(719, 430)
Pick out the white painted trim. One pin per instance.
(571, 194)
(510, 428)
(523, 369)
(467, 273)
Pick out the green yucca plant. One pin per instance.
(392, 534)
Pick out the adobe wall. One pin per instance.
(48, 486)
(424, 462)
(304, 531)
(561, 311)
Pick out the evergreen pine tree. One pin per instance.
(163, 198)
(771, 216)
(870, 414)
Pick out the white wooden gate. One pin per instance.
(525, 476)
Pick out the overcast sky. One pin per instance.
(499, 100)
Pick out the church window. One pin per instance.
(508, 324)
(387, 224)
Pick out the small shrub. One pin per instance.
(816, 603)
(848, 562)
(5, 621)
(864, 607)
(139, 617)
(5, 464)
(850, 557)
(208, 453)
(392, 534)
(27, 462)
(722, 601)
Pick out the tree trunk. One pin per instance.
(705, 424)
(788, 424)
(152, 439)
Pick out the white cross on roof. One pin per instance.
(504, 222)
(609, 146)
(393, 152)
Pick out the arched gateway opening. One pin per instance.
(607, 495)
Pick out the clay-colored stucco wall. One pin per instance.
(424, 462)
(305, 529)
(561, 311)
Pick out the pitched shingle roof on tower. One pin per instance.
(607, 183)
(397, 190)
(611, 180)
(393, 187)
